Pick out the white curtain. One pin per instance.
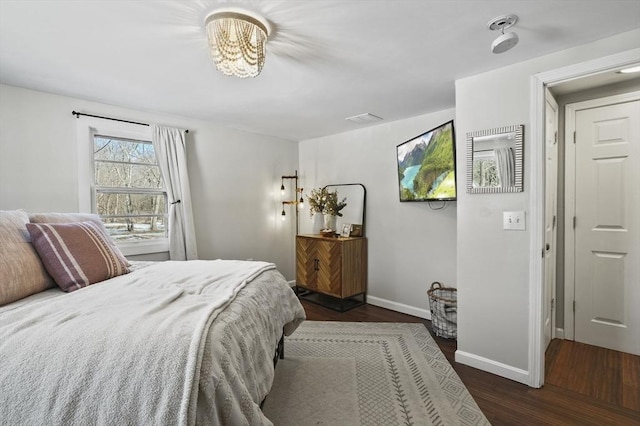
(170, 147)
(506, 166)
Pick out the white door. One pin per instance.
(607, 223)
(551, 212)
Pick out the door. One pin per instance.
(607, 223)
(306, 262)
(551, 213)
(329, 255)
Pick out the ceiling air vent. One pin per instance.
(364, 118)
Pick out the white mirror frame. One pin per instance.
(518, 154)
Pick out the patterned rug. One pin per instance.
(354, 373)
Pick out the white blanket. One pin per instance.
(125, 351)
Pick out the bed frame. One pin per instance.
(279, 354)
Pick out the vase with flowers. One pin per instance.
(325, 204)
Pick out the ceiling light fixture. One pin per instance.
(237, 42)
(506, 41)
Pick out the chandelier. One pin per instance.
(237, 42)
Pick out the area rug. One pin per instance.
(355, 373)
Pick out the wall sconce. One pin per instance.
(298, 203)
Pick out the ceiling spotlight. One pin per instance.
(506, 41)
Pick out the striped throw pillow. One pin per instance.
(77, 254)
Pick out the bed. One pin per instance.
(175, 343)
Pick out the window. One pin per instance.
(485, 170)
(128, 189)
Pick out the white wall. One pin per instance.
(234, 175)
(493, 264)
(410, 245)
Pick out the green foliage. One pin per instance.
(438, 159)
(407, 194)
(447, 188)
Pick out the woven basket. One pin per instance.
(443, 303)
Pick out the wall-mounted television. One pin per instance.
(427, 165)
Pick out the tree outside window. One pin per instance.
(485, 173)
(129, 192)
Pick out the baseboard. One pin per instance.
(559, 333)
(492, 366)
(292, 283)
(399, 307)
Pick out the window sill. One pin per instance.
(144, 247)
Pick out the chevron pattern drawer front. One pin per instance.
(332, 266)
(329, 255)
(306, 273)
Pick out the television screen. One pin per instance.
(427, 166)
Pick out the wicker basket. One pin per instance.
(443, 303)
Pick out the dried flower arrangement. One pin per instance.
(324, 201)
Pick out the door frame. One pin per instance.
(549, 98)
(570, 212)
(539, 82)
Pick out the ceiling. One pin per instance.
(326, 60)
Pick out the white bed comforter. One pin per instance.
(143, 348)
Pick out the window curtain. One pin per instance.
(171, 152)
(506, 166)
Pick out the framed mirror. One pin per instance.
(354, 211)
(495, 160)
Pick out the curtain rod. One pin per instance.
(78, 114)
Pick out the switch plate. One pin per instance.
(513, 221)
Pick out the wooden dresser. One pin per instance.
(335, 267)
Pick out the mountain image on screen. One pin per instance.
(415, 157)
(426, 166)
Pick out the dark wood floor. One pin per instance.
(584, 385)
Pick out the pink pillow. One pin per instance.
(76, 254)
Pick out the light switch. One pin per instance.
(513, 221)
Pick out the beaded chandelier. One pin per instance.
(237, 42)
